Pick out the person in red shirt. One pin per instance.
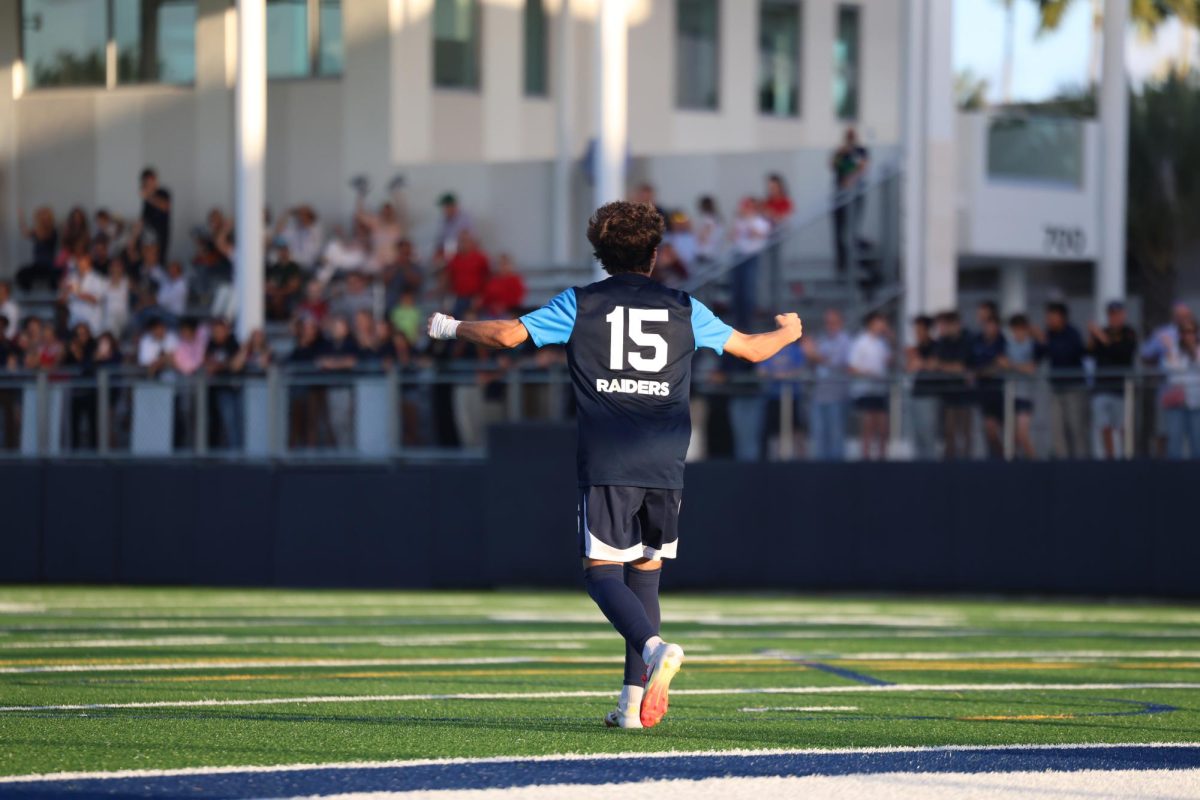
(467, 273)
(778, 206)
(505, 291)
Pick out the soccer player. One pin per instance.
(630, 342)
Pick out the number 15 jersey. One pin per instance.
(630, 343)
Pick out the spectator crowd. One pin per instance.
(353, 296)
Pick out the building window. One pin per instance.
(779, 58)
(846, 63)
(304, 38)
(536, 46)
(697, 48)
(156, 41)
(330, 54)
(456, 44)
(64, 44)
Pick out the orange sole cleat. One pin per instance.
(667, 663)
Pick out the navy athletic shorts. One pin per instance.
(627, 523)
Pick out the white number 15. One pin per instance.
(637, 318)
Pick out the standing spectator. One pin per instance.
(172, 288)
(505, 289)
(156, 349)
(646, 194)
(783, 372)
(710, 230)
(284, 279)
(300, 230)
(751, 231)
(156, 210)
(83, 291)
(455, 222)
(680, 236)
(849, 164)
(777, 207)
(870, 357)
(747, 407)
(1114, 347)
(1153, 353)
(189, 357)
(356, 296)
(110, 227)
(308, 412)
(43, 239)
(402, 275)
(466, 274)
(10, 398)
(952, 354)
(1182, 399)
(314, 304)
(341, 354)
(345, 252)
(921, 364)
(830, 353)
(255, 355)
(367, 339)
(1021, 363)
(144, 261)
(101, 254)
(114, 302)
(9, 310)
(213, 262)
(384, 230)
(76, 237)
(78, 354)
(1063, 347)
(987, 364)
(406, 317)
(220, 364)
(669, 268)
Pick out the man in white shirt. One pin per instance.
(82, 290)
(156, 349)
(302, 234)
(172, 288)
(870, 358)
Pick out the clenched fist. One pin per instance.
(790, 322)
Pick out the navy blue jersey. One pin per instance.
(630, 343)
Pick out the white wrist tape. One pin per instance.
(443, 327)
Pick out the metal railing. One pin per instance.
(443, 411)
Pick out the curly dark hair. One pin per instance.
(625, 235)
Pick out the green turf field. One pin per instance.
(105, 679)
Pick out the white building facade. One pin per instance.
(497, 101)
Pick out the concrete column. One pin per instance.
(562, 77)
(216, 60)
(612, 97)
(1114, 137)
(10, 238)
(930, 182)
(1014, 289)
(250, 147)
(409, 83)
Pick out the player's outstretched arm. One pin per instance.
(498, 333)
(758, 347)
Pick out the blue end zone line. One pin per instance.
(596, 770)
(842, 672)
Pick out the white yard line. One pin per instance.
(356, 765)
(485, 696)
(771, 709)
(293, 663)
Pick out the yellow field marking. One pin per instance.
(1015, 717)
(955, 666)
(441, 673)
(1162, 665)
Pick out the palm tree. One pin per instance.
(1146, 14)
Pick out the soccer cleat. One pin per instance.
(661, 668)
(615, 719)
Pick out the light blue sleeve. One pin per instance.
(553, 322)
(708, 330)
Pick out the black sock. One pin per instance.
(644, 584)
(606, 585)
